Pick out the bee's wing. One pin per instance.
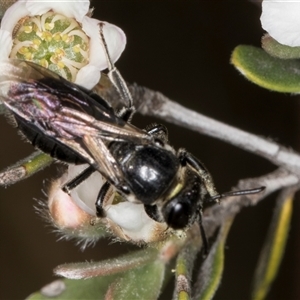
(98, 155)
(91, 139)
(22, 81)
(43, 97)
(65, 113)
(15, 70)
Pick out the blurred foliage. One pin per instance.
(275, 243)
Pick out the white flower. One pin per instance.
(281, 19)
(74, 213)
(60, 36)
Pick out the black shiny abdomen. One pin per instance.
(47, 144)
(149, 170)
(36, 102)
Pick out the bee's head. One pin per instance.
(182, 209)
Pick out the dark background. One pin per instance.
(181, 48)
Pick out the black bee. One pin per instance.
(76, 126)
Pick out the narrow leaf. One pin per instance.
(94, 288)
(137, 275)
(211, 271)
(139, 283)
(107, 267)
(272, 252)
(25, 168)
(267, 71)
(184, 269)
(278, 50)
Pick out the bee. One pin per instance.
(76, 126)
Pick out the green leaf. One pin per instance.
(272, 252)
(266, 71)
(36, 162)
(24, 168)
(211, 271)
(278, 50)
(184, 268)
(94, 288)
(140, 283)
(136, 279)
(83, 270)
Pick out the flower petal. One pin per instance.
(115, 39)
(130, 216)
(6, 43)
(13, 14)
(281, 19)
(84, 195)
(135, 224)
(69, 8)
(88, 76)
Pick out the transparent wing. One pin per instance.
(56, 106)
(51, 111)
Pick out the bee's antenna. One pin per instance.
(216, 198)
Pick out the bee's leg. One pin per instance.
(86, 173)
(100, 200)
(158, 130)
(152, 212)
(105, 163)
(118, 81)
(101, 195)
(188, 158)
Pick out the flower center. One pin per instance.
(52, 41)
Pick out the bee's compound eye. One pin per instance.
(178, 217)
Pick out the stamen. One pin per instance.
(44, 63)
(27, 29)
(53, 41)
(43, 19)
(72, 63)
(59, 18)
(37, 22)
(49, 26)
(17, 47)
(70, 28)
(85, 54)
(79, 33)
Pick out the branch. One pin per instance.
(217, 214)
(151, 103)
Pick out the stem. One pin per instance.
(156, 104)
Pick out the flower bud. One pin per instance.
(69, 218)
(74, 214)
